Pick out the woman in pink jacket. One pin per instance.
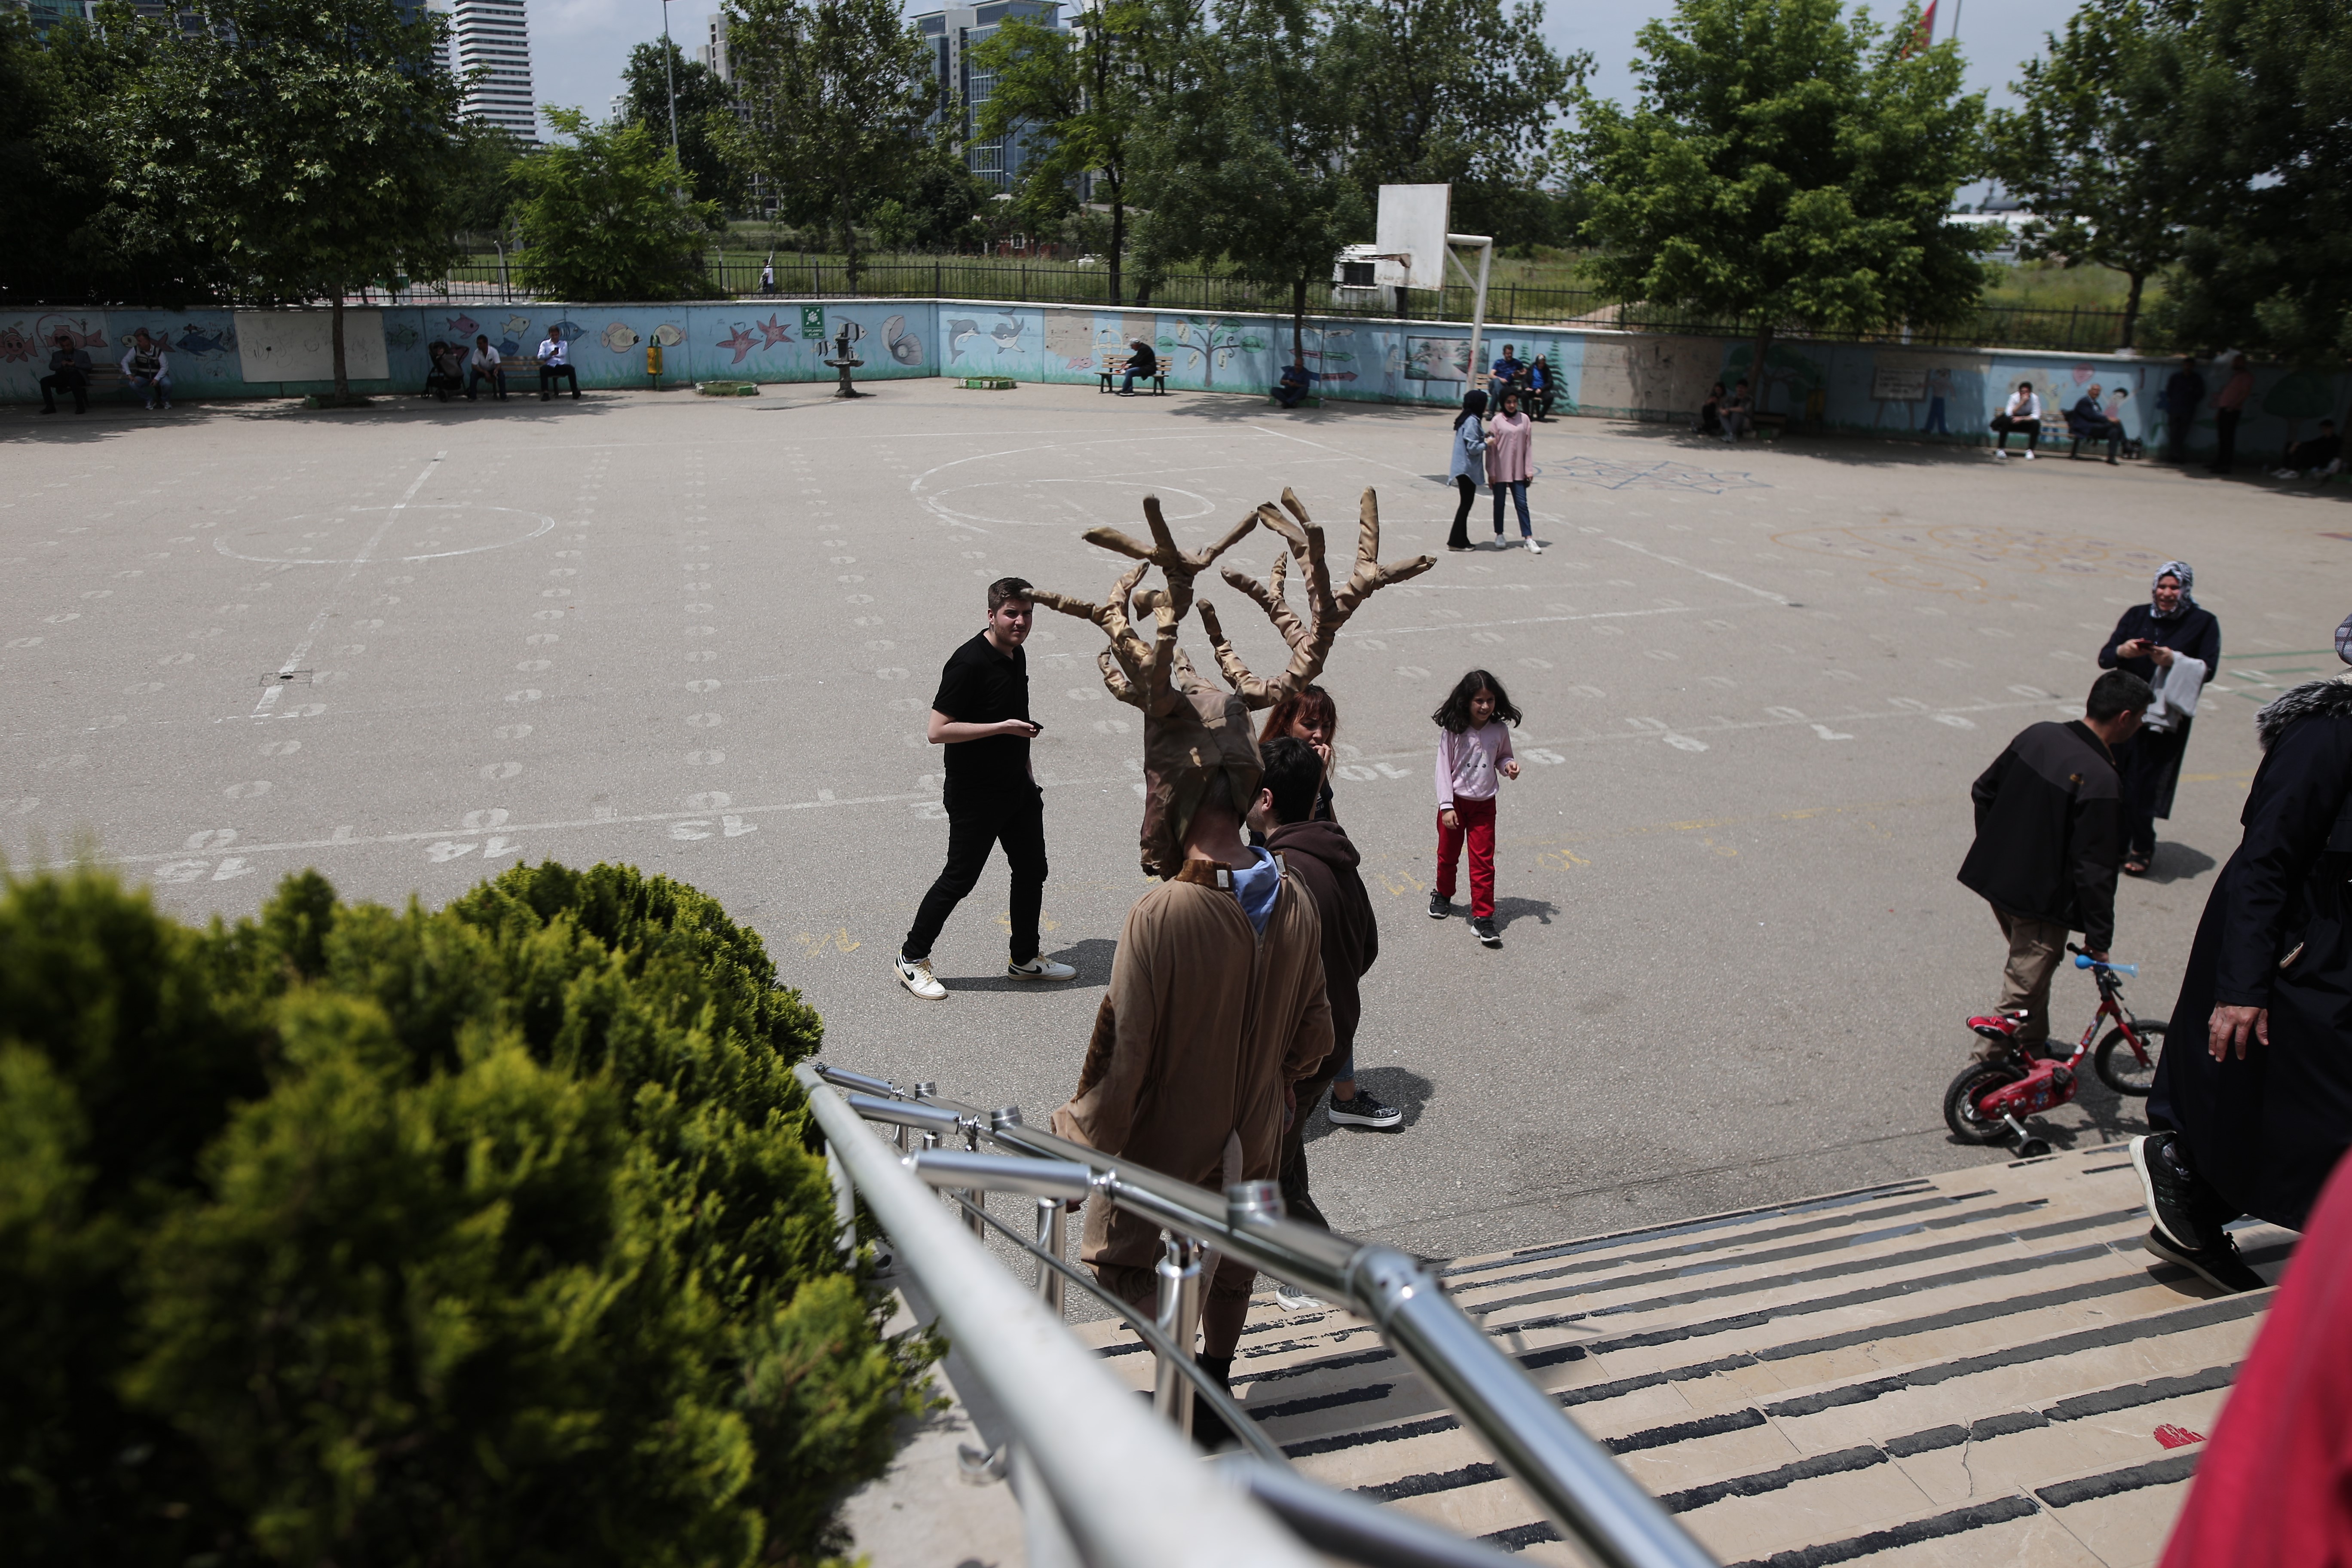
(1510, 436)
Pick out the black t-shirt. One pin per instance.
(980, 685)
(1142, 360)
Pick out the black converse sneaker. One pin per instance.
(1363, 1111)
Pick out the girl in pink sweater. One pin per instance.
(1510, 464)
(1474, 756)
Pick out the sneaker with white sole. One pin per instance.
(914, 975)
(1484, 926)
(1440, 907)
(2029, 453)
(1040, 968)
(1362, 1110)
(1998, 454)
(1533, 548)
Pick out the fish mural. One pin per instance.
(620, 337)
(1007, 333)
(75, 327)
(669, 335)
(961, 331)
(401, 335)
(195, 342)
(744, 341)
(574, 333)
(15, 347)
(905, 346)
(464, 325)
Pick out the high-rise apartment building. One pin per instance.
(953, 33)
(493, 37)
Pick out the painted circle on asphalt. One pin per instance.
(359, 534)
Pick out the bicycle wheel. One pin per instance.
(2119, 1067)
(1975, 1080)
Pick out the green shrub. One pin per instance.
(489, 1235)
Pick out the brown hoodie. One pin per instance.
(1324, 860)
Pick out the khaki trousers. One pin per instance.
(2035, 948)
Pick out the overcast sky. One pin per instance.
(578, 46)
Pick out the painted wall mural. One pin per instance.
(1888, 390)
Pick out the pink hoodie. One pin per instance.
(1508, 447)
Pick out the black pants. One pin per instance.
(2111, 431)
(1468, 489)
(2175, 434)
(2149, 767)
(2002, 425)
(2225, 440)
(550, 374)
(65, 381)
(441, 384)
(497, 379)
(975, 827)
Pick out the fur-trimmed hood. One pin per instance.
(2328, 699)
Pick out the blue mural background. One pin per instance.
(1864, 388)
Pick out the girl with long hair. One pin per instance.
(1467, 467)
(1474, 756)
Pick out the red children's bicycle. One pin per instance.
(1984, 1104)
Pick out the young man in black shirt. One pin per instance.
(982, 716)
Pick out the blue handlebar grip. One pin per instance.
(2085, 961)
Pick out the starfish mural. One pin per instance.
(772, 331)
(744, 341)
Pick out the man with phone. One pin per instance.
(982, 716)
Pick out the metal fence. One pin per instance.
(1011, 281)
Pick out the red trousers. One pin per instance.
(1478, 819)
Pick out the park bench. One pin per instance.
(1115, 369)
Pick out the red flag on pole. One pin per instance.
(1925, 33)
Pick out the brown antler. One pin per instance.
(1308, 649)
(1149, 676)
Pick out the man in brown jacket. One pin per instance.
(1216, 1008)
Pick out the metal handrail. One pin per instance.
(1115, 1476)
(1598, 1507)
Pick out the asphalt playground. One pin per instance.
(414, 645)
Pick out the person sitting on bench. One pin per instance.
(1540, 389)
(1292, 387)
(1141, 361)
(2088, 421)
(446, 369)
(1710, 413)
(69, 372)
(2023, 414)
(2322, 457)
(1735, 412)
(483, 365)
(147, 368)
(554, 364)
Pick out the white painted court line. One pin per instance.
(1715, 576)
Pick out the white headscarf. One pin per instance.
(2188, 580)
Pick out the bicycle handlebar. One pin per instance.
(2085, 961)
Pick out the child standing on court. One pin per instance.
(1474, 756)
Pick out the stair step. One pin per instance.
(1989, 1354)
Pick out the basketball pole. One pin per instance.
(1485, 245)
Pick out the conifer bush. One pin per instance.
(369, 1236)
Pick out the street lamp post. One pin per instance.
(669, 75)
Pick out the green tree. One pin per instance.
(481, 187)
(389, 1238)
(606, 217)
(1087, 94)
(1245, 169)
(2259, 122)
(941, 201)
(705, 105)
(1785, 165)
(308, 142)
(838, 93)
(2085, 152)
(1454, 92)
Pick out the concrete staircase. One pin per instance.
(1971, 1368)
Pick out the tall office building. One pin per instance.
(493, 35)
(712, 51)
(953, 33)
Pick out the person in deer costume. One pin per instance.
(1217, 1003)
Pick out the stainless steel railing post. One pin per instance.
(1053, 1236)
(1178, 1272)
(844, 1204)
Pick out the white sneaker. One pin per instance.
(1998, 454)
(914, 975)
(1040, 968)
(2029, 454)
(1533, 548)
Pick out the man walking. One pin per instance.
(2049, 839)
(1217, 1006)
(1319, 856)
(2184, 389)
(2252, 1102)
(982, 716)
(2228, 407)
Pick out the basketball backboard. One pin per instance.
(1413, 224)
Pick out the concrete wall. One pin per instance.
(1866, 389)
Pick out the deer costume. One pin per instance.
(1216, 1006)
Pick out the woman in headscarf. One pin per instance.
(1469, 465)
(2252, 1102)
(2171, 625)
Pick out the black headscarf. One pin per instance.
(1474, 404)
